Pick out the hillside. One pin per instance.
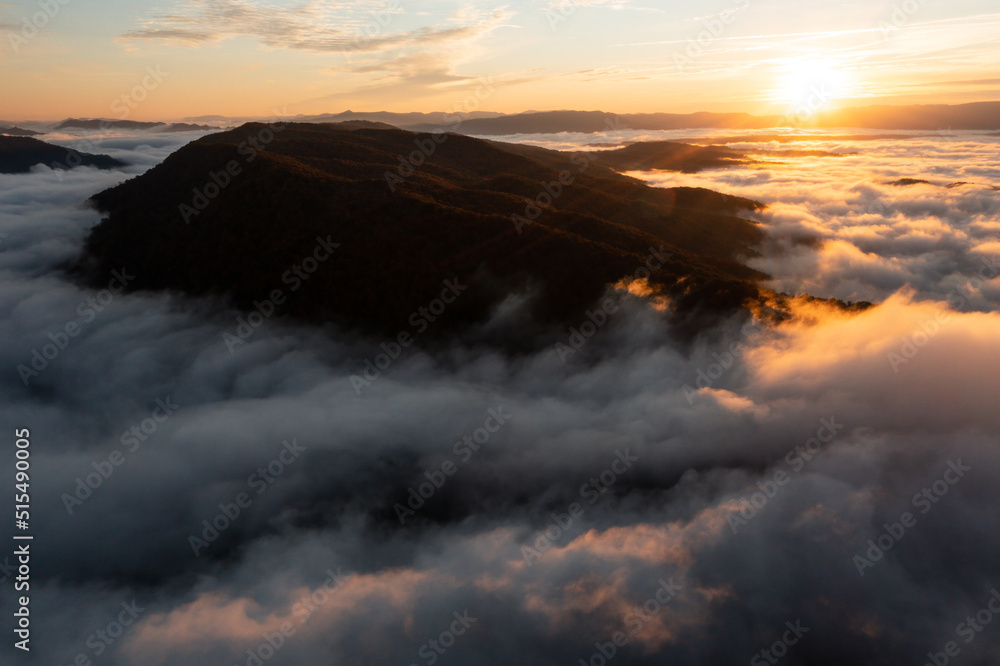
(400, 237)
(545, 122)
(978, 115)
(18, 131)
(19, 153)
(973, 116)
(669, 156)
(104, 124)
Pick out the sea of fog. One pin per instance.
(824, 490)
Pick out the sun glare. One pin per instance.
(810, 85)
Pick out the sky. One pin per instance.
(163, 60)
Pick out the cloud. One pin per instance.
(969, 82)
(568, 4)
(340, 27)
(181, 35)
(414, 61)
(875, 238)
(635, 489)
(307, 27)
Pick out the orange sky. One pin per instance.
(240, 57)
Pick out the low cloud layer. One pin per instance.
(632, 498)
(876, 237)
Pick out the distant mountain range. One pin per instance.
(551, 122)
(906, 182)
(977, 116)
(974, 116)
(397, 119)
(941, 117)
(105, 124)
(18, 131)
(669, 156)
(233, 212)
(936, 118)
(19, 153)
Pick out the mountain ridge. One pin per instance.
(18, 154)
(455, 215)
(925, 117)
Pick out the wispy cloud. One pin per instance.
(315, 27)
(565, 4)
(415, 60)
(424, 61)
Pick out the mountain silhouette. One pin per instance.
(18, 131)
(977, 115)
(19, 153)
(549, 122)
(104, 124)
(669, 156)
(230, 214)
(934, 117)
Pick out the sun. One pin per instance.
(808, 85)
